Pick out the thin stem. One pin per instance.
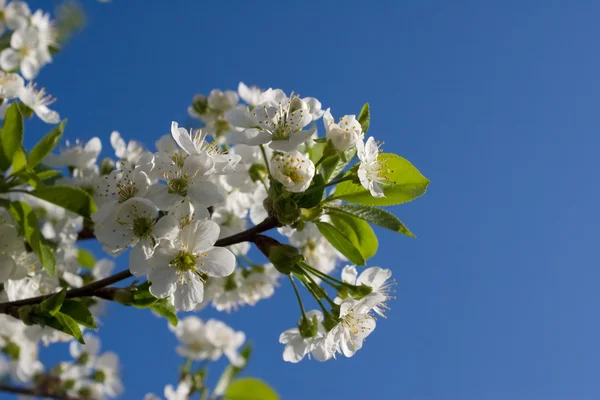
(330, 183)
(323, 157)
(331, 302)
(264, 153)
(298, 296)
(325, 310)
(336, 181)
(323, 275)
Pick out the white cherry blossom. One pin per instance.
(186, 179)
(280, 125)
(39, 101)
(76, 156)
(370, 170)
(293, 170)
(136, 224)
(344, 134)
(180, 267)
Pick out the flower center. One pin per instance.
(125, 191)
(142, 227)
(185, 261)
(179, 185)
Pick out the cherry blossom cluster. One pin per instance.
(206, 342)
(91, 374)
(265, 187)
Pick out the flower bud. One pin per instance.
(308, 327)
(106, 166)
(287, 211)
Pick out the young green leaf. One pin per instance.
(68, 197)
(364, 118)
(85, 258)
(11, 136)
(341, 242)
(405, 184)
(46, 145)
(250, 389)
(163, 308)
(68, 325)
(79, 312)
(358, 231)
(142, 298)
(19, 161)
(28, 223)
(373, 215)
(53, 303)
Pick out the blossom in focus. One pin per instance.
(370, 170)
(293, 170)
(344, 134)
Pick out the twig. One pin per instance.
(99, 288)
(37, 392)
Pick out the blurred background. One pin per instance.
(495, 102)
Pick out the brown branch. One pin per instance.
(99, 288)
(36, 392)
(248, 235)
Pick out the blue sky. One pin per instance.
(496, 103)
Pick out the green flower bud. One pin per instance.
(358, 292)
(308, 327)
(329, 322)
(257, 172)
(123, 296)
(287, 210)
(283, 257)
(26, 314)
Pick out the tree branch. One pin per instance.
(99, 288)
(35, 392)
(248, 235)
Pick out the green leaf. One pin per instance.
(358, 231)
(19, 161)
(406, 184)
(142, 298)
(373, 215)
(341, 242)
(68, 197)
(311, 197)
(11, 136)
(163, 308)
(364, 118)
(250, 389)
(85, 258)
(232, 371)
(67, 324)
(48, 174)
(46, 145)
(28, 223)
(53, 303)
(332, 166)
(79, 312)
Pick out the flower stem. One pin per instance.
(264, 153)
(325, 310)
(331, 302)
(324, 276)
(323, 157)
(298, 296)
